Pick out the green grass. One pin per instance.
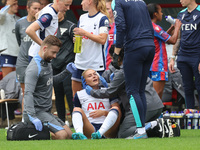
(189, 139)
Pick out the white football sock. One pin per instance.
(77, 121)
(109, 121)
(141, 130)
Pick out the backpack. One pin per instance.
(25, 131)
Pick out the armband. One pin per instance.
(103, 30)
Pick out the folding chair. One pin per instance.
(6, 101)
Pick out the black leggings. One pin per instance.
(62, 89)
(136, 69)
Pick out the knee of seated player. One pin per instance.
(117, 109)
(61, 135)
(78, 109)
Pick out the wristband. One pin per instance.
(173, 57)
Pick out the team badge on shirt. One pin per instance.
(95, 25)
(106, 23)
(164, 35)
(194, 17)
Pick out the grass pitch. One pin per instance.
(189, 139)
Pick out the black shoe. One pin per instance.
(176, 129)
(168, 128)
(160, 127)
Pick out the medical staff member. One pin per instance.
(135, 32)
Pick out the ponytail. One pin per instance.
(101, 6)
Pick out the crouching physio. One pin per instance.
(94, 117)
(38, 90)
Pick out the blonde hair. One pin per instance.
(101, 6)
(83, 74)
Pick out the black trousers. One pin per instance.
(11, 108)
(62, 89)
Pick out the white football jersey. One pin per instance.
(48, 26)
(92, 53)
(89, 104)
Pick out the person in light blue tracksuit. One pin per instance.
(134, 31)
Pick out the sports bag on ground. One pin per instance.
(24, 131)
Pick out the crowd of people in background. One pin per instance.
(114, 86)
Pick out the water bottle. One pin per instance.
(189, 120)
(170, 19)
(2, 94)
(78, 44)
(178, 118)
(184, 120)
(172, 116)
(195, 124)
(166, 115)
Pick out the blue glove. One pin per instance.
(103, 81)
(71, 67)
(83, 82)
(38, 124)
(112, 76)
(88, 89)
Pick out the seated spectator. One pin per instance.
(94, 117)
(12, 91)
